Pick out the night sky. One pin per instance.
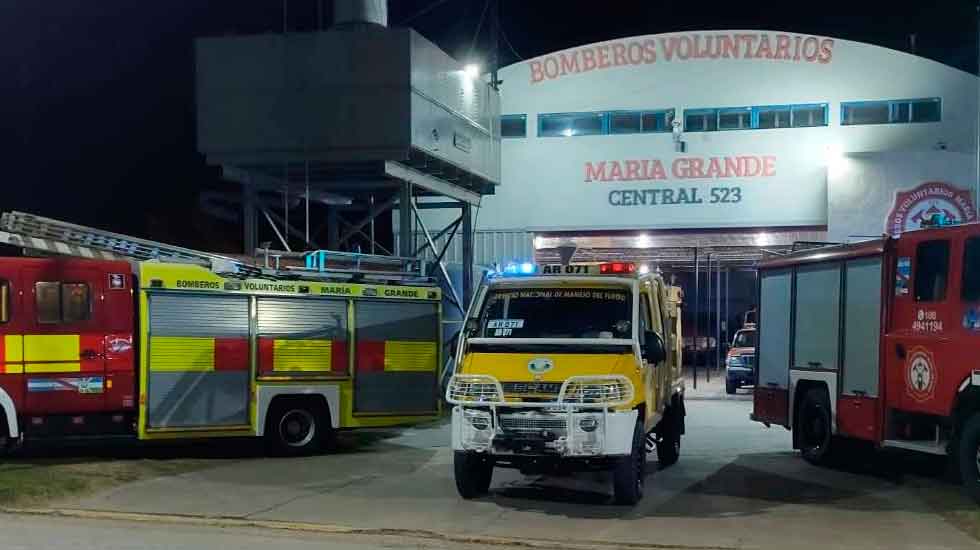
(98, 95)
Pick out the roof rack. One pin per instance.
(51, 236)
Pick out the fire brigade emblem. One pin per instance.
(927, 200)
(920, 375)
(540, 365)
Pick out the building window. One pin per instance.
(931, 271)
(971, 270)
(804, 116)
(739, 118)
(625, 122)
(773, 117)
(62, 302)
(657, 121)
(513, 126)
(570, 124)
(700, 120)
(899, 111)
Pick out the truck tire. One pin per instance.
(730, 387)
(473, 473)
(629, 471)
(968, 456)
(297, 427)
(669, 438)
(815, 427)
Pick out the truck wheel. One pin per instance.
(815, 427)
(296, 427)
(473, 473)
(968, 456)
(629, 471)
(669, 439)
(730, 387)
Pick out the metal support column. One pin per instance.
(333, 228)
(467, 243)
(728, 314)
(718, 319)
(707, 325)
(694, 310)
(405, 225)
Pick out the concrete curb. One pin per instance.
(327, 529)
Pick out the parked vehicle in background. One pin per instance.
(876, 341)
(740, 361)
(161, 350)
(568, 368)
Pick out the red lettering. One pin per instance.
(728, 47)
(537, 75)
(696, 168)
(603, 54)
(697, 53)
(679, 168)
(764, 49)
(768, 166)
(712, 48)
(619, 54)
(569, 63)
(714, 170)
(732, 167)
(669, 46)
(826, 50)
(752, 166)
(551, 67)
(649, 52)
(588, 59)
(782, 46)
(796, 47)
(684, 47)
(749, 40)
(810, 47)
(615, 171)
(657, 171)
(635, 53)
(595, 172)
(632, 170)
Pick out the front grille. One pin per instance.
(748, 360)
(526, 423)
(540, 388)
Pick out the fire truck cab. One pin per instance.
(568, 367)
(876, 341)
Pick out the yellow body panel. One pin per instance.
(13, 348)
(410, 356)
(302, 355)
(181, 354)
(51, 347)
(38, 368)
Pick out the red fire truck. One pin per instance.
(111, 335)
(876, 341)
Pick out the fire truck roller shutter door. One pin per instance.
(302, 335)
(771, 394)
(198, 361)
(397, 357)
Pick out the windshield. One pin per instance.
(744, 339)
(557, 313)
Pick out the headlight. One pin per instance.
(474, 388)
(588, 423)
(478, 419)
(736, 361)
(610, 391)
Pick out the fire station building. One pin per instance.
(725, 142)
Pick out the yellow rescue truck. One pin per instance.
(568, 367)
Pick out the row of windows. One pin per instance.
(54, 302)
(806, 115)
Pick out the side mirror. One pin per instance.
(472, 326)
(654, 351)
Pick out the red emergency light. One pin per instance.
(616, 268)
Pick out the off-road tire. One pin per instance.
(968, 456)
(669, 438)
(298, 427)
(730, 388)
(629, 471)
(473, 473)
(815, 427)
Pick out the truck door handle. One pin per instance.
(900, 351)
(89, 354)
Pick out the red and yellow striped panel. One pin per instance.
(12, 352)
(397, 355)
(186, 354)
(283, 356)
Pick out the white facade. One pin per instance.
(833, 177)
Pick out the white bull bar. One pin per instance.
(583, 402)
